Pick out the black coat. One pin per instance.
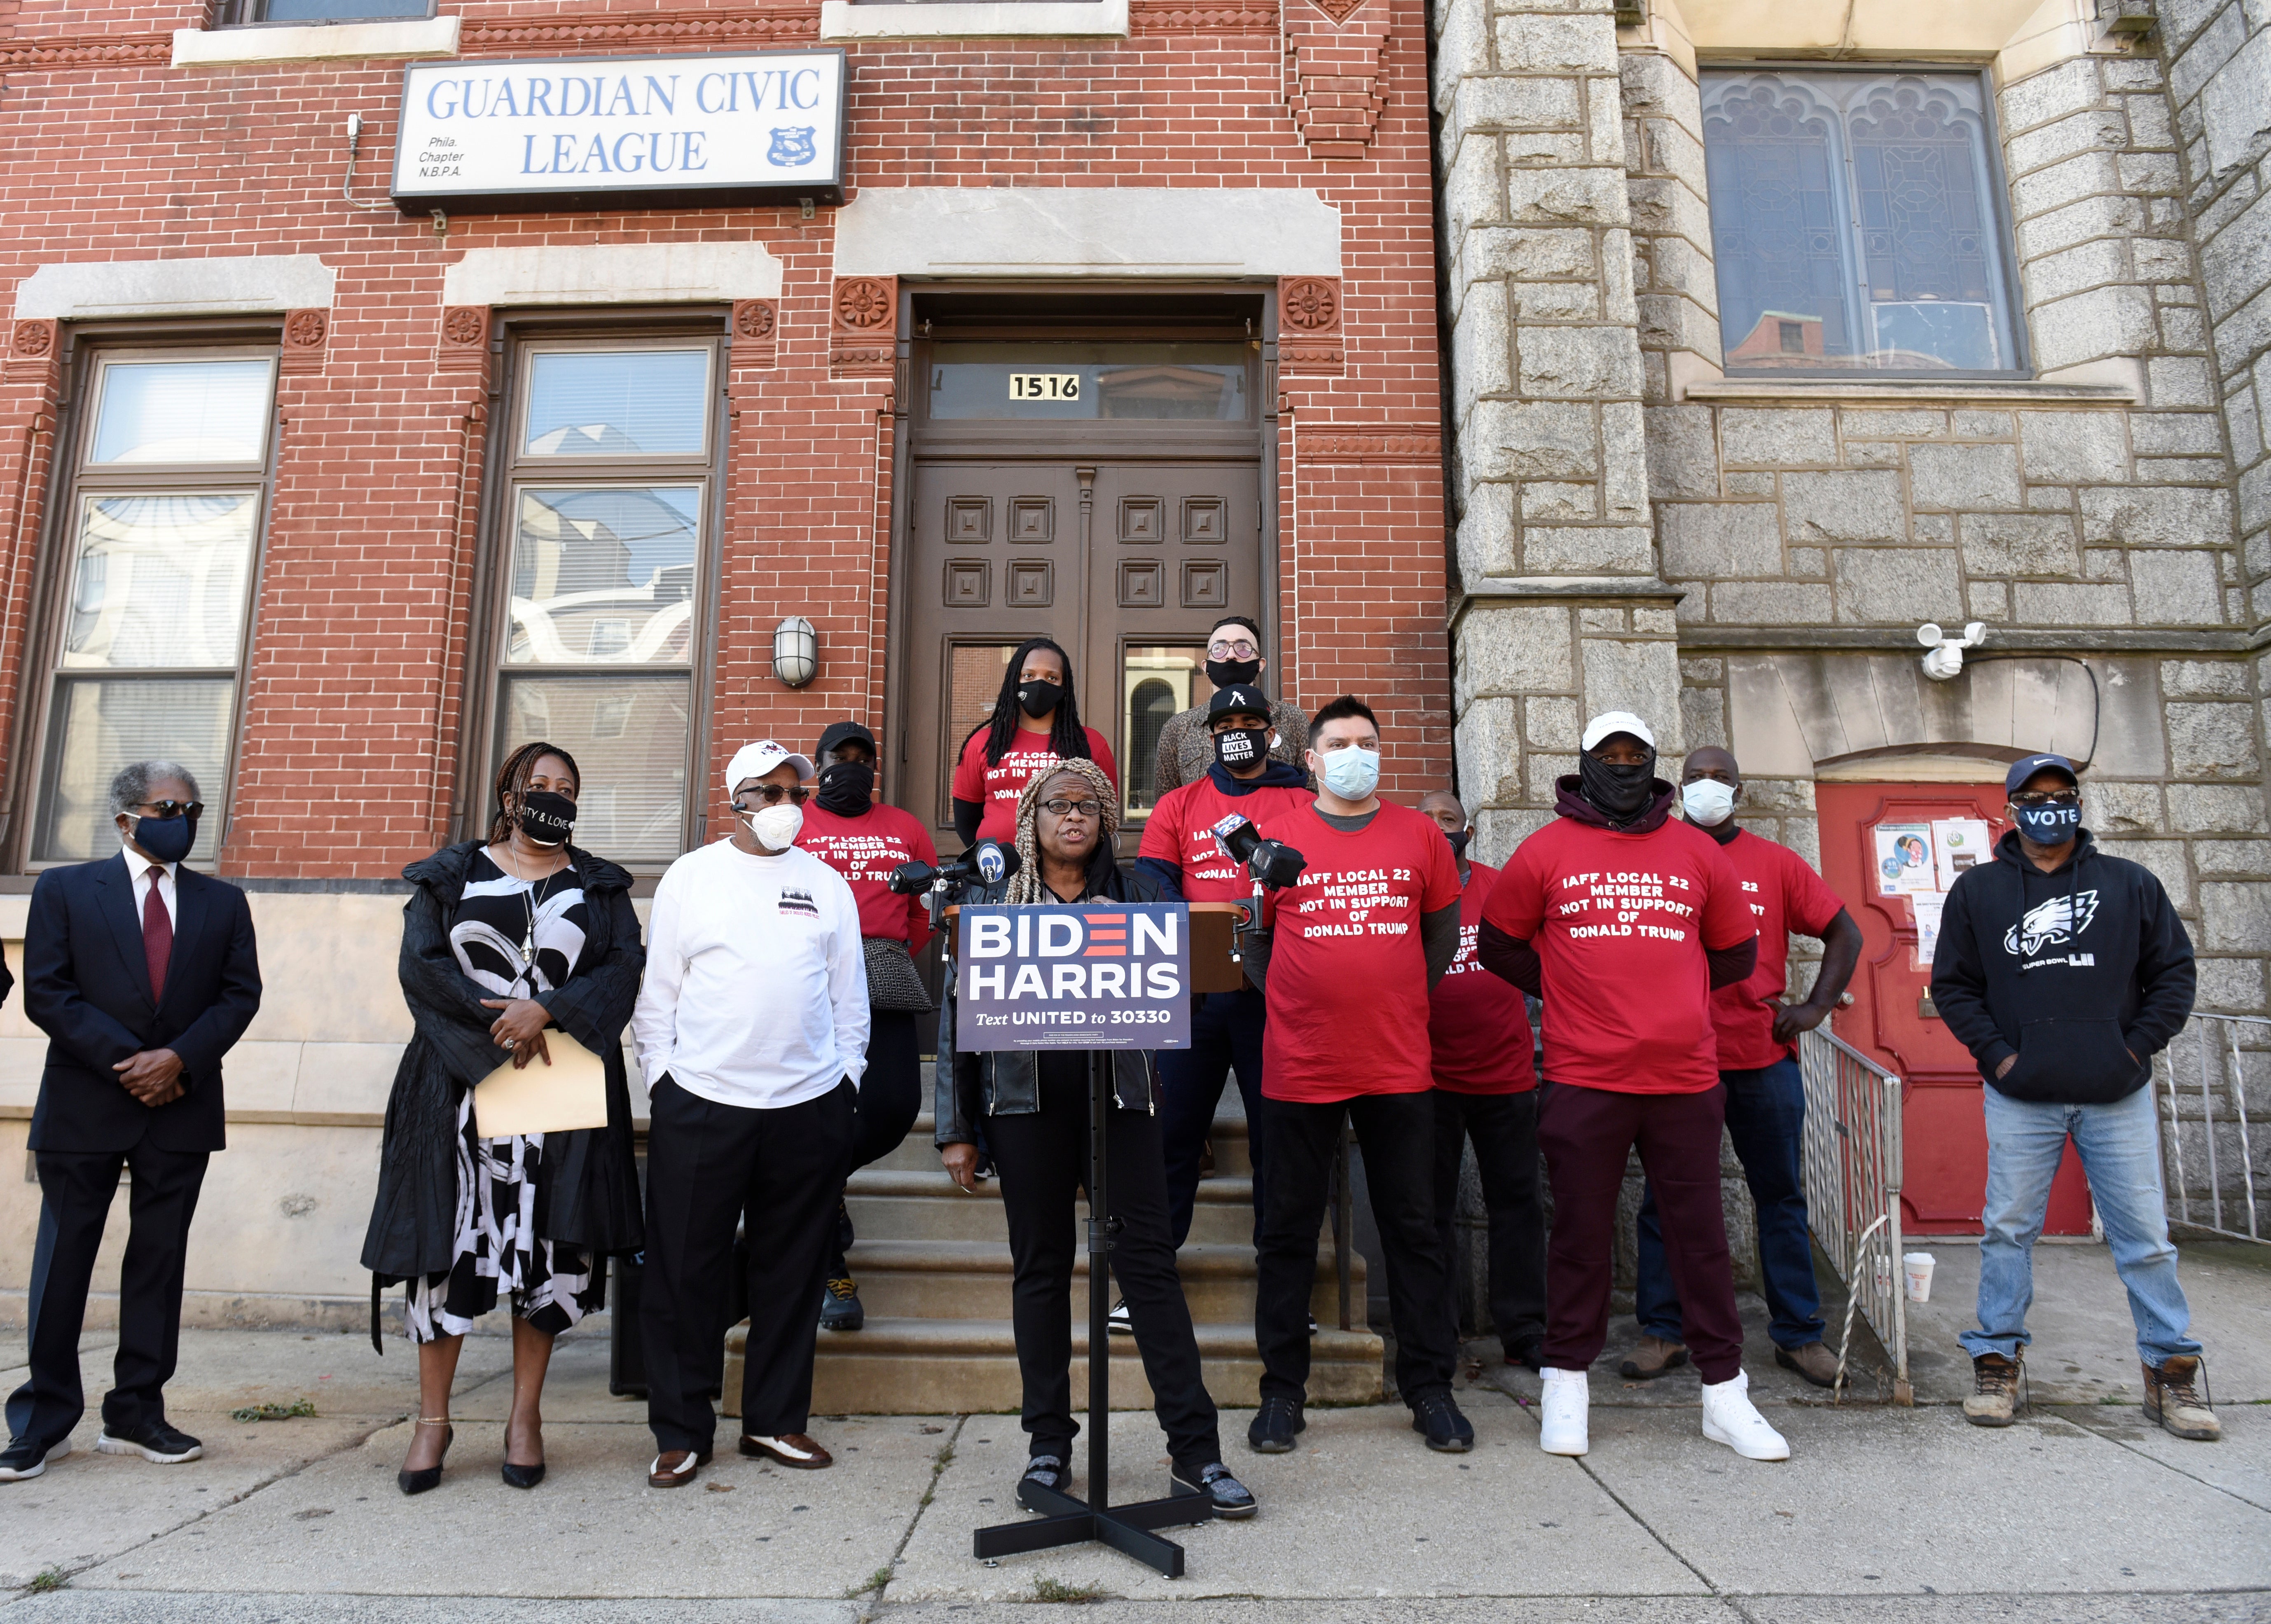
(87, 984)
(588, 1192)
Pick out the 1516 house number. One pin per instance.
(1045, 386)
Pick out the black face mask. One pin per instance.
(168, 840)
(1458, 839)
(545, 817)
(847, 788)
(1231, 672)
(1621, 792)
(1241, 748)
(1037, 699)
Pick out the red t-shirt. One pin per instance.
(865, 850)
(1614, 918)
(1784, 894)
(1181, 832)
(997, 786)
(1348, 976)
(1478, 1026)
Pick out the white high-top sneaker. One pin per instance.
(1561, 1413)
(1730, 1418)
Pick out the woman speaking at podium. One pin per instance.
(1035, 1103)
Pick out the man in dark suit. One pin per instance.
(143, 974)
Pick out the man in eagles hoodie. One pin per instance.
(2065, 971)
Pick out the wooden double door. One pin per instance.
(1127, 561)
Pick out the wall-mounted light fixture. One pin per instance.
(796, 652)
(1946, 660)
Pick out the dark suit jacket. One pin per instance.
(87, 984)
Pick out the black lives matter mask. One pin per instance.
(1240, 747)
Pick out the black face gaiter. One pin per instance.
(847, 788)
(1622, 793)
(1037, 699)
(1231, 672)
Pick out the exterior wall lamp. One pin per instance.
(796, 652)
(1946, 660)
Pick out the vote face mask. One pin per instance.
(1037, 699)
(545, 817)
(2051, 825)
(847, 788)
(1707, 802)
(1352, 773)
(1621, 792)
(168, 839)
(776, 828)
(1230, 673)
(1241, 747)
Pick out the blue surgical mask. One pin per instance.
(2051, 825)
(168, 839)
(1707, 802)
(1352, 773)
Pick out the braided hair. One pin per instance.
(1066, 737)
(1025, 885)
(512, 778)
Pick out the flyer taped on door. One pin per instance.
(1927, 921)
(1903, 860)
(1957, 843)
(571, 1092)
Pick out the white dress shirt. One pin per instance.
(757, 985)
(138, 866)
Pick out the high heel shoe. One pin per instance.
(519, 1477)
(419, 1482)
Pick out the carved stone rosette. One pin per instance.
(1309, 326)
(33, 353)
(307, 339)
(756, 322)
(863, 326)
(463, 344)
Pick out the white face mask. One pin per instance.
(776, 827)
(1707, 801)
(1351, 772)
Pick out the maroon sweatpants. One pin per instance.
(1586, 1134)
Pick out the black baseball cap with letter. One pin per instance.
(1239, 699)
(2021, 770)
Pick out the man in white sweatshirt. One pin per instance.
(752, 1034)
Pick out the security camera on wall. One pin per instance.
(1946, 659)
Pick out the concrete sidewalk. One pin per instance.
(2080, 1513)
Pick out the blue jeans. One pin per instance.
(2120, 1149)
(1225, 1036)
(1766, 1119)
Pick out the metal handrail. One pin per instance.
(2227, 1078)
(1853, 1156)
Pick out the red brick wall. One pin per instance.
(353, 701)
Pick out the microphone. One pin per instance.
(1271, 862)
(989, 862)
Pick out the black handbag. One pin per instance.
(894, 984)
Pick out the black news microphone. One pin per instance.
(989, 862)
(1271, 862)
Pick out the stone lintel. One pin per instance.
(1924, 392)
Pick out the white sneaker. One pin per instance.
(1561, 1413)
(1730, 1418)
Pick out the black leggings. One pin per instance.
(891, 1097)
(1042, 1158)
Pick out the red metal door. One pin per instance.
(1891, 850)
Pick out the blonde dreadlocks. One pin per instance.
(1025, 885)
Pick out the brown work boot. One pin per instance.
(2174, 1404)
(1651, 1358)
(1995, 1390)
(1814, 1362)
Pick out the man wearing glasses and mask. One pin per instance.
(752, 1034)
(142, 973)
(2065, 971)
(1233, 658)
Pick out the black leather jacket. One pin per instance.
(1007, 1082)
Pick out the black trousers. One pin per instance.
(74, 1192)
(1225, 1036)
(1042, 1160)
(1396, 1133)
(1504, 1129)
(707, 1165)
(891, 1097)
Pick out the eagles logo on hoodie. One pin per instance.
(2061, 919)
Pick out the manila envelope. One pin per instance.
(570, 1092)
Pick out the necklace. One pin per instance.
(531, 899)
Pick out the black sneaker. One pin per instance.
(23, 1458)
(1274, 1426)
(154, 1441)
(1448, 1431)
(1047, 1471)
(1118, 1322)
(1233, 1500)
(840, 1308)
(1529, 1355)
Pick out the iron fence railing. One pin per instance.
(2214, 1179)
(1853, 1187)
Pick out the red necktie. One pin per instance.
(157, 933)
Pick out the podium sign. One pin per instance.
(1116, 976)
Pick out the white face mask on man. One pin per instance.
(1707, 802)
(774, 828)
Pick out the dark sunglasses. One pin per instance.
(174, 809)
(771, 794)
(2047, 798)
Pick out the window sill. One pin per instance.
(1921, 391)
(976, 19)
(398, 37)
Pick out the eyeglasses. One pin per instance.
(771, 794)
(1239, 650)
(2047, 798)
(1073, 809)
(174, 809)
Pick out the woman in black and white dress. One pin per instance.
(503, 939)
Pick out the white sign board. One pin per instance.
(643, 131)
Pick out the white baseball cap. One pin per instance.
(753, 761)
(1616, 721)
